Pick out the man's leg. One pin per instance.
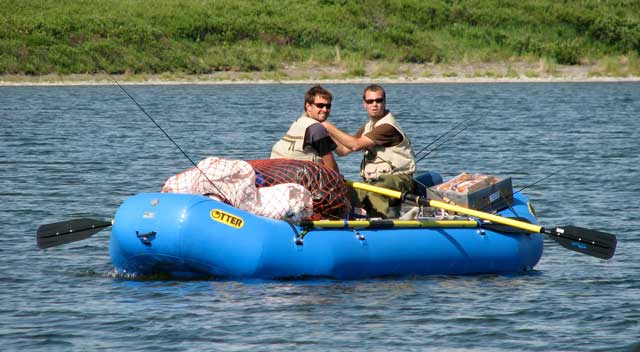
(388, 207)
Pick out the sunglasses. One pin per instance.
(322, 106)
(371, 101)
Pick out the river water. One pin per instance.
(69, 152)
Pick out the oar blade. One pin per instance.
(59, 233)
(586, 241)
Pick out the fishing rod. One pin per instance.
(163, 131)
(457, 133)
(446, 140)
(540, 180)
(59, 233)
(440, 137)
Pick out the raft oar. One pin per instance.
(59, 233)
(408, 224)
(590, 242)
(387, 223)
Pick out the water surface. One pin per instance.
(68, 152)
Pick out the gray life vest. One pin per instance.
(381, 160)
(291, 145)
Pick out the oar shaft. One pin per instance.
(390, 223)
(486, 216)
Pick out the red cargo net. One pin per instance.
(328, 190)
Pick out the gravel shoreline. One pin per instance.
(90, 82)
(372, 72)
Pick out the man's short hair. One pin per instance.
(374, 88)
(317, 90)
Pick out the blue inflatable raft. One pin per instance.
(191, 236)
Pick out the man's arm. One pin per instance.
(348, 143)
(317, 138)
(341, 149)
(329, 161)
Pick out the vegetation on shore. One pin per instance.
(195, 37)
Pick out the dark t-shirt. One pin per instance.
(317, 138)
(384, 135)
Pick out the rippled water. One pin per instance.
(68, 152)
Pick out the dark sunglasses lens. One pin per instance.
(371, 101)
(322, 106)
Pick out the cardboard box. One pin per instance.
(488, 198)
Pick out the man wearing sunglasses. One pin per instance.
(307, 139)
(388, 159)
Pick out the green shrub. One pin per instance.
(565, 52)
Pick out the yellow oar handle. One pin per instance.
(441, 205)
(375, 189)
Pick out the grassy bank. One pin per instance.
(189, 37)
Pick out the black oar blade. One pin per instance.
(59, 233)
(590, 242)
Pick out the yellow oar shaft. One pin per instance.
(486, 216)
(393, 223)
(455, 208)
